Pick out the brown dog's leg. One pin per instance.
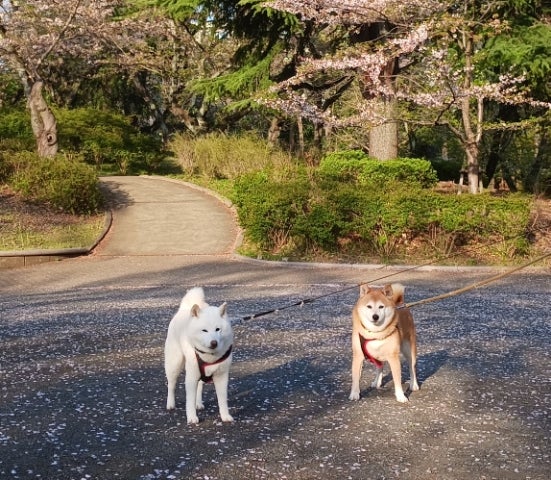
(396, 370)
(410, 352)
(357, 364)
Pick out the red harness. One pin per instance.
(367, 355)
(203, 365)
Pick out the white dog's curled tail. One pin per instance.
(194, 296)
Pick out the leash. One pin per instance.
(475, 285)
(453, 293)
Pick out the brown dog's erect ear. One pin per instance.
(195, 310)
(388, 292)
(222, 309)
(364, 289)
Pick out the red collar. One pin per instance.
(367, 355)
(203, 365)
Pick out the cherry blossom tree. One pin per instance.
(378, 38)
(455, 87)
(38, 36)
(418, 53)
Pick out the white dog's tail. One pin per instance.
(194, 296)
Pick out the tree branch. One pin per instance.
(60, 34)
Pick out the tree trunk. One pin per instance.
(471, 139)
(43, 122)
(274, 132)
(300, 128)
(383, 139)
(472, 167)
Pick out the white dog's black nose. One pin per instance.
(213, 344)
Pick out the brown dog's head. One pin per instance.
(377, 305)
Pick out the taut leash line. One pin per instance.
(442, 296)
(476, 285)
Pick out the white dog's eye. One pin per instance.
(218, 329)
(205, 330)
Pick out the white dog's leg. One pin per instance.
(192, 383)
(378, 380)
(221, 385)
(174, 362)
(199, 399)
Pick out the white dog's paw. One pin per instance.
(200, 406)
(170, 405)
(227, 418)
(401, 398)
(192, 419)
(354, 395)
(414, 387)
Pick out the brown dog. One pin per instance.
(382, 328)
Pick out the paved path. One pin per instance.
(162, 217)
(82, 390)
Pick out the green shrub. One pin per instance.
(104, 137)
(356, 166)
(407, 171)
(15, 130)
(69, 185)
(343, 165)
(318, 226)
(297, 215)
(268, 208)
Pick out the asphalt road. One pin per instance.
(82, 388)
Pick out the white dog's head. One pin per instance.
(377, 305)
(210, 330)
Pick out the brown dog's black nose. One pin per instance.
(375, 317)
(213, 344)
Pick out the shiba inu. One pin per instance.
(200, 340)
(382, 329)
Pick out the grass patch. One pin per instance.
(26, 225)
(23, 237)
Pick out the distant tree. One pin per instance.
(523, 50)
(40, 37)
(251, 47)
(460, 89)
(426, 54)
(369, 47)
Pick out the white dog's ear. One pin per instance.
(364, 289)
(222, 309)
(195, 310)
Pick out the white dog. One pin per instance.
(199, 338)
